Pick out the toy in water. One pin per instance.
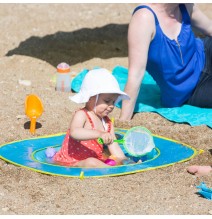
(110, 162)
(50, 152)
(63, 77)
(137, 141)
(205, 191)
(33, 109)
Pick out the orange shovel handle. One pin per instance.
(32, 125)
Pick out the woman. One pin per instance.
(161, 41)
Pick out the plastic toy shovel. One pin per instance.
(33, 109)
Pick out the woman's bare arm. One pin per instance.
(140, 33)
(199, 20)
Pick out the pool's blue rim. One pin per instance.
(115, 174)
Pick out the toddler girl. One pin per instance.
(99, 91)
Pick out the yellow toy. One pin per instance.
(33, 109)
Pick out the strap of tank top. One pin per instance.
(89, 118)
(108, 121)
(185, 14)
(147, 7)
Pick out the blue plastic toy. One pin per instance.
(50, 152)
(205, 191)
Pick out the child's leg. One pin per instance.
(199, 170)
(90, 162)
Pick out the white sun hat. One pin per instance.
(96, 82)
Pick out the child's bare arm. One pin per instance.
(115, 149)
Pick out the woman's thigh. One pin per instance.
(202, 95)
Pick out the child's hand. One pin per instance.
(107, 138)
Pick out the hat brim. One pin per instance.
(83, 98)
(79, 98)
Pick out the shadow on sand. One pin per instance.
(77, 46)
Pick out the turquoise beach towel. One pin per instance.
(149, 100)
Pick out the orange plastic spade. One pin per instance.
(33, 109)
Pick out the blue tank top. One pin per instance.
(175, 66)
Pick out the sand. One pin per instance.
(34, 39)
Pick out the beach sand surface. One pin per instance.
(34, 39)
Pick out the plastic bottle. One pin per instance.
(63, 82)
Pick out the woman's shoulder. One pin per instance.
(143, 18)
(143, 9)
(189, 7)
(143, 13)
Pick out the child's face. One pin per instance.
(105, 104)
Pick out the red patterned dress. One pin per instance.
(73, 151)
